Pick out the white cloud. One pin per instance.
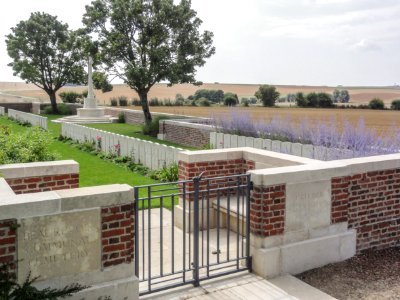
(365, 45)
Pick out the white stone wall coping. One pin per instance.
(318, 171)
(258, 155)
(36, 169)
(188, 123)
(5, 189)
(55, 202)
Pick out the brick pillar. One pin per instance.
(118, 234)
(267, 210)
(8, 242)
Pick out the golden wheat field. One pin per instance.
(359, 95)
(381, 120)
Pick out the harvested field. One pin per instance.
(358, 94)
(380, 120)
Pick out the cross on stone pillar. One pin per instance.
(90, 100)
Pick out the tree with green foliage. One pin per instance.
(341, 96)
(312, 99)
(267, 94)
(344, 96)
(144, 42)
(324, 100)
(395, 105)
(100, 82)
(231, 99)
(301, 101)
(46, 53)
(376, 103)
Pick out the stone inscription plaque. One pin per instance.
(308, 205)
(58, 245)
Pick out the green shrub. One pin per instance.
(29, 146)
(231, 99)
(203, 102)
(136, 102)
(152, 129)
(395, 105)
(166, 174)
(245, 102)
(62, 109)
(376, 103)
(11, 289)
(123, 101)
(121, 117)
(154, 102)
(114, 101)
(71, 97)
(189, 102)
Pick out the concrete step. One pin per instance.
(87, 120)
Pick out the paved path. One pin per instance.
(241, 285)
(245, 287)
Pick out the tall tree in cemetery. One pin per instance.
(144, 42)
(46, 53)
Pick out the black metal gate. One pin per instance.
(192, 230)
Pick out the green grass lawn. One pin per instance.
(134, 131)
(93, 170)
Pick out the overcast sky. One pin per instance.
(302, 42)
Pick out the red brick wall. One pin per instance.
(23, 106)
(213, 169)
(267, 210)
(183, 135)
(118, 230)
(44, 183)
(133, 116)
(370, 202)
(8, 241)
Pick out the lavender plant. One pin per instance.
(337, 140)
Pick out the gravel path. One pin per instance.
(370, 275)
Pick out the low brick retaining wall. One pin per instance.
(41, 177)
(370, 203)
(186, 132)
(136, 117)
(308, 213)
(20, 106)
(68, 236)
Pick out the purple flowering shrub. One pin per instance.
(344, 139)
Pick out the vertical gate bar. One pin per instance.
(149, 235)
(173, 234)
(208, 228)
(243, 194)
(190, 234)
(237, 224)
(202, 229)
(218, 221)
(137, 234)
(228, 225)
(143, 240)
(196, 278)
(184, 230)
(248, 258)
(161, 236)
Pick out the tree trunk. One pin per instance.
(145, 107)
(53, 101)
